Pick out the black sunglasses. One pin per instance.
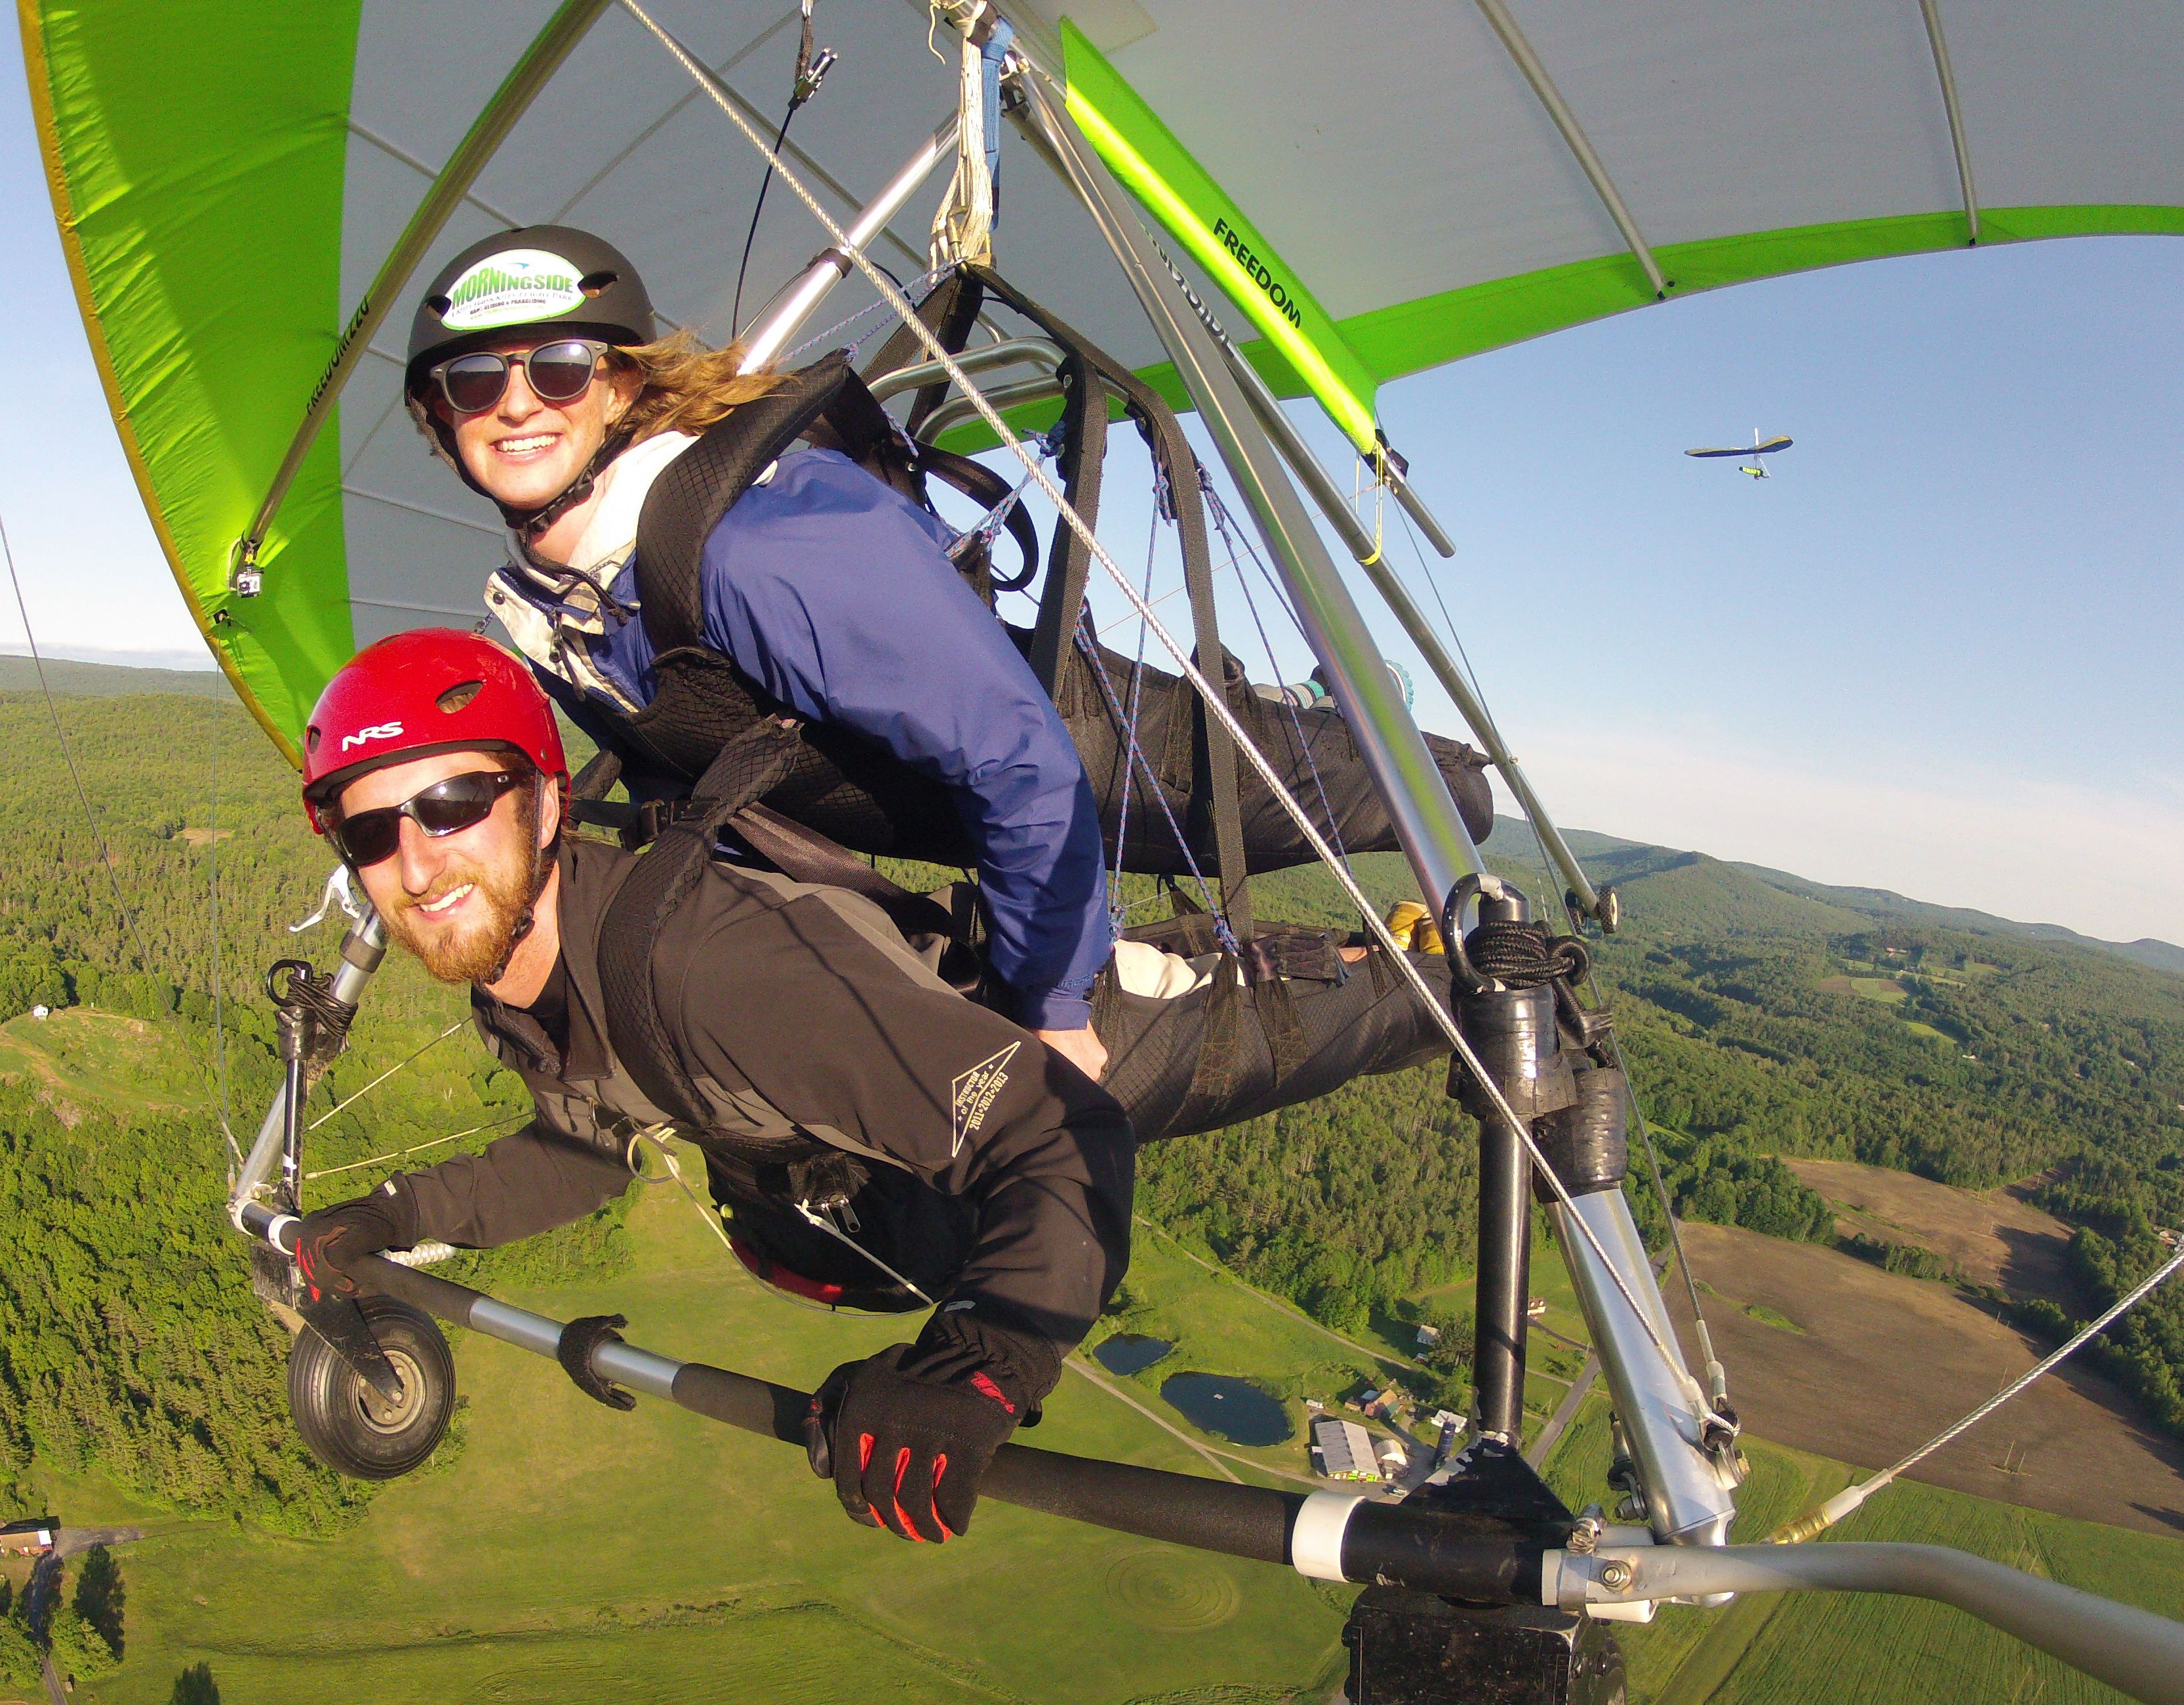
(558, 372)
(459, 803)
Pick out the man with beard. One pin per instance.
(875, 1140)
(995, 1176)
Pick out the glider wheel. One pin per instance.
(351, 1428)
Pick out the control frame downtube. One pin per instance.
(1504, 1279)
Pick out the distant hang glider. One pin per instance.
(1756, 468)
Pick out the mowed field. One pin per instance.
(1870, 1364)
(1992, 1237)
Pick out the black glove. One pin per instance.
(327, 1241)
(906, 1451)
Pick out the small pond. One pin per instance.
(1234, 1408)
(1130, 1352)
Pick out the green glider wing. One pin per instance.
(1376, 188)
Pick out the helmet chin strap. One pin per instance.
(526, 524)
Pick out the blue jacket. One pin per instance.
(835, 594)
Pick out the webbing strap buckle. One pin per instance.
(636, 825)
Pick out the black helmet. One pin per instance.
(540, 274)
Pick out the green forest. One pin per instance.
(1759, 1018)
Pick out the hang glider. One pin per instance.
(1756, 468)
(248, 197)
(1584, 164)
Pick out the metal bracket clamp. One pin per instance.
(1475, 885)
(245, 578)
(337, 896)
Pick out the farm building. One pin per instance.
(1342, 1450)
(1428, 1336)
(32, 1536)
(1393, 1459)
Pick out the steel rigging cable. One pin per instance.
(811, 71)
(1216, 706)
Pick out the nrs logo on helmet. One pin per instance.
(516, 287)
(434, 689)
(385, 731)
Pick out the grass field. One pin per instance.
(568, 1553)
(1793, 1649)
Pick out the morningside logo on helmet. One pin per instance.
(514, 287)
(540, 274)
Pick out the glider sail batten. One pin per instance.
(197, 156)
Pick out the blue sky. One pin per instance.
(1938, 653)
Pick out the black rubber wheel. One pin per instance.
(349, 1426)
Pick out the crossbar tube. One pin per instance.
(769, 336)
(2131, 1650)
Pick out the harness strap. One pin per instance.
(747, 767)
(596, 780)
(1082, 456)
(949, 312)
(1084, 462)
(799, 853)
(804, 855)
(697, 488)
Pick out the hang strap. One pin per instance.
(949, 312)
(1096, 375)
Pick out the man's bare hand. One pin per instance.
(1080, 1047)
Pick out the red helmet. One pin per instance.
(436, 689)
